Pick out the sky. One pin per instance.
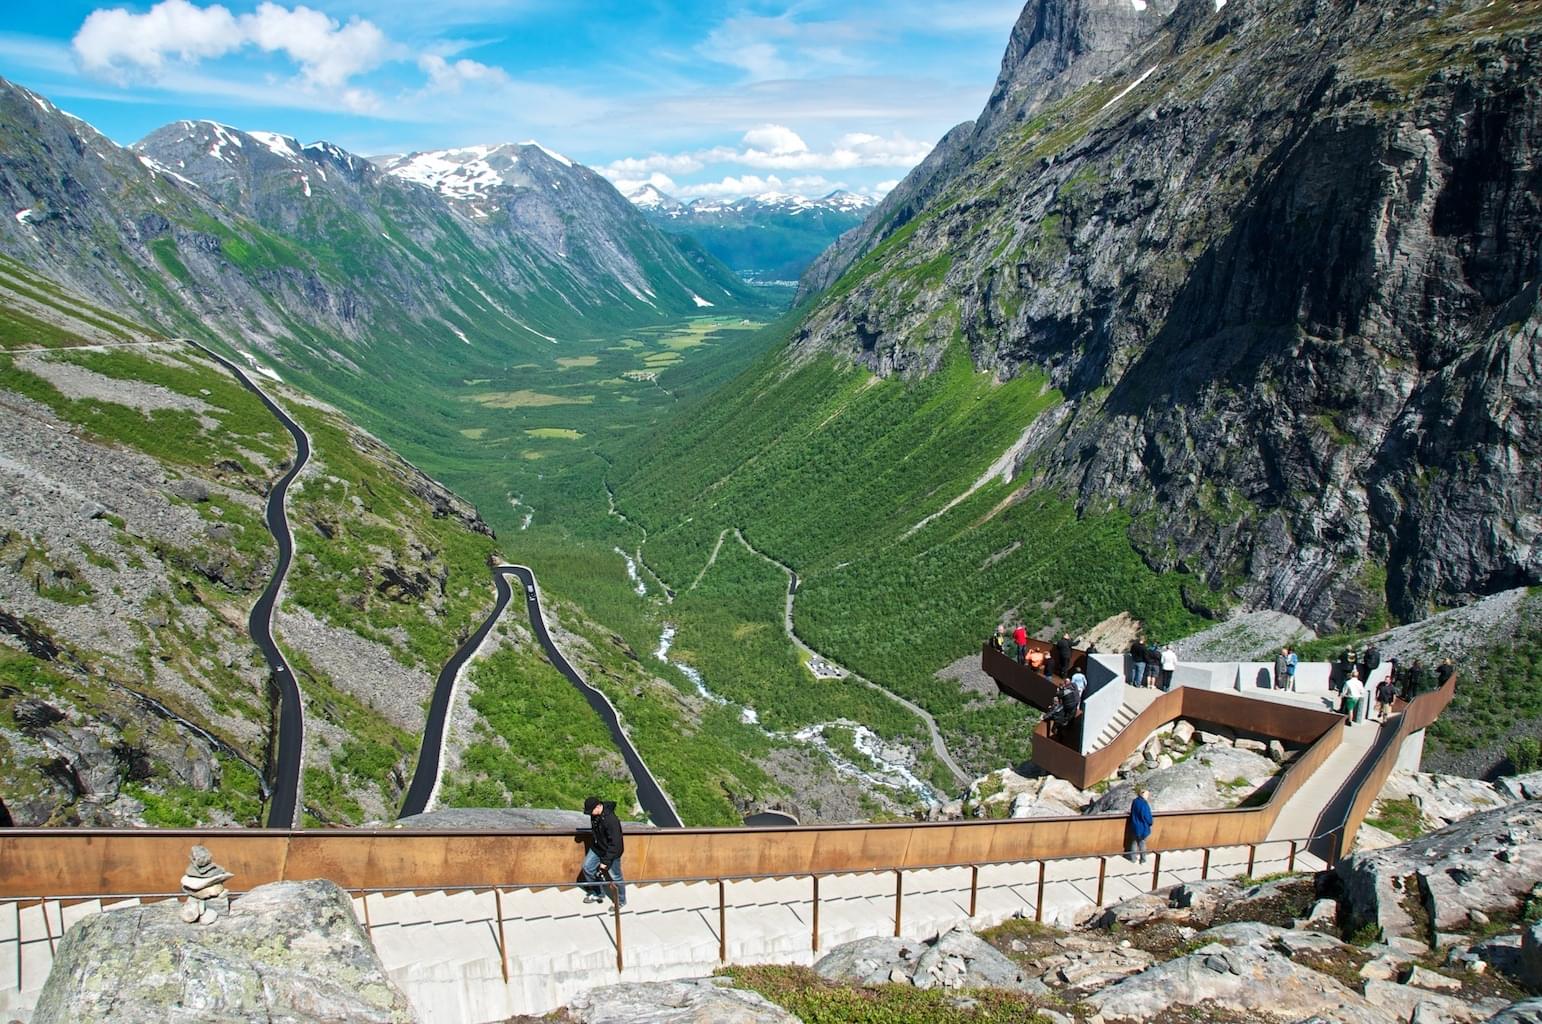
(698, 98)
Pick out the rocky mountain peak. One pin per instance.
(477, 174)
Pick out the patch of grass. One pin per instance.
(814, 1000)
(525, 399)
(1401, 818)
(559, 433)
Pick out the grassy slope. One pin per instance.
(827, 469)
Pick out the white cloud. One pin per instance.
(328, 53)
(633, 167)
(452, 75)
(779, 140)
(749, 184)
(109, 39)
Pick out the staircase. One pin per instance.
(1136, 700)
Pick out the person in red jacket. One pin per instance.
(1020, 638)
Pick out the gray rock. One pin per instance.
(189, 489)
(1527, 1011)
(1183, 732)
(1486, 862)
(1421, 977)
(1187, 786)
(869, 961)
(693, 1001)
(1276, 751)
(957, 959)
(1521, 787)
(1251, 746)
(1404, 1001)
(288, 951)
(1529, 968)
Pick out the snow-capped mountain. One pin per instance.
(475, 174)
(768, 237)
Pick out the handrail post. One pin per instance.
(1102, 877)
(899, 898)
(816, 914)
(615, 909)
(503, 949)
(1156, 871)
(42, 905)
(722, 924)
(1252, 856)
(364, 899)
(1038, 902)
(974, 888)
(1204, 867)
(1290, 864)
(17, 906)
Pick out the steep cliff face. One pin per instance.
(1056, 46)
(1283, 263)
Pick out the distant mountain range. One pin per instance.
(766, 238)
(335, 267)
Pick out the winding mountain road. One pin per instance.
(425, 779)
(939, 747)
(655, 802)
(290, 743)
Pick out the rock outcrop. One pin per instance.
(957, 959)
(693, 1001)
(1280, 260)
(288, 951)
(1487, 863)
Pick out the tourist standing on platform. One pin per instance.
(1169, 665)
(1138, 662)
(1292, 661)
(1444, 673)
(1153, 664)
(998, 640)
(603, 860)
(1140, 825)
(1020, 638)
(1063, 656)
(1370, 661)
(1354, 692)
(1281, 663)
(1386, 691)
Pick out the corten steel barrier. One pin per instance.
(1299, 725)
(1417, 714)
(1286, 855)
(1020, 681)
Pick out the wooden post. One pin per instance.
(1102, 877)
(1204, 867)
(816, 914)
(1038, 902)
(503, 949)
(899, 899)
(722, 924)
(615, 908)
(1252, 856)
(1290, 865)
(974, 888)
(1156, 871)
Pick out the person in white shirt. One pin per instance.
(1354, 693)
(1079, 680)
(1169, 663)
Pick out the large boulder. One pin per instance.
(1235, 764)
(1528, 1011)
(1530, 967)
(1521, 787)
(1186, 786)
(1443, 799)
(1487, 863)
(290, 952)
(957, 959)
(692, 1001)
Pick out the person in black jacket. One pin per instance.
(603, 858)
(1138, 662)
(1063, 656)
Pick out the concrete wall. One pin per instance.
(1105, 695)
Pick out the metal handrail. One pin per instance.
(1296, 846)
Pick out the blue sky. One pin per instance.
(700, 98)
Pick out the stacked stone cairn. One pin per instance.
(204, 884)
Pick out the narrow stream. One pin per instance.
(890, 765)
(638, 585)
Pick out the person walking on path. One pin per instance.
(1063, 656)
(1169, 665)
(1020, 638)
(1079, 680)
(1138, 662)
(603, 859)
(1354, 692)
(1140, 825)
(1292, 660)
(1386, 690)
(1281, 667)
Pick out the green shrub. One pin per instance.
(1525, 754)
(815, 1000)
